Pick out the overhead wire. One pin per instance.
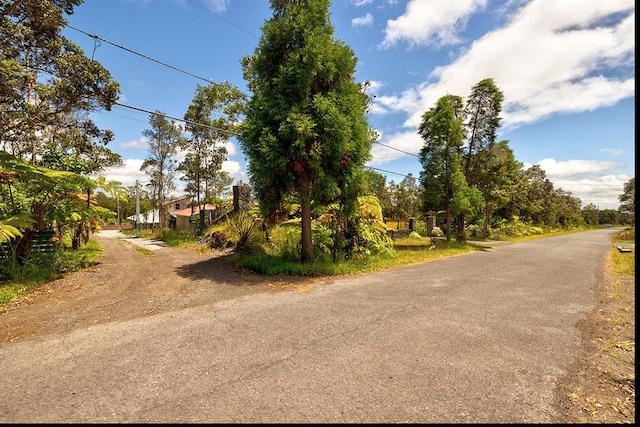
(97, 39)
(225, 20)
(397, 149)
(158, 113)
(223, 130)
(394, 173)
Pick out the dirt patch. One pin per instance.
(127, 284)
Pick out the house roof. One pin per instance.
(196, 210)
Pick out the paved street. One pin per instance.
(477, 338)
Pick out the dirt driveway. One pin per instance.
(127, 283)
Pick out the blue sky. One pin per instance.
(566, 68)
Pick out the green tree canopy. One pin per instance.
(164, 139)
(628, 198)
(213, 117)
(34, 198)
(442, 131)
(48, 87)
(306, 132)
(495, 178)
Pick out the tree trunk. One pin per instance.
(485, 224)
(306, 253)
(448, 223)
(461, 233)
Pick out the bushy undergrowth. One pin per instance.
(282, 256)
(517, 228)
(18, 277)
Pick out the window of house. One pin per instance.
(177, 206)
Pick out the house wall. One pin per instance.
(183, 204)
(182, 223)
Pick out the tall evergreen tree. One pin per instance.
(443, 133)
(482, 111)
(306, 133)
(212, 118)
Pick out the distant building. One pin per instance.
(185, 218)
(147, 219)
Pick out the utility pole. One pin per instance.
(137, 211)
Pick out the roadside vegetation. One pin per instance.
(602, 388)
(279, 255)
(19, 278)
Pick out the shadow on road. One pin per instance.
(222, 270)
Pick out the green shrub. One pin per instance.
(245, 232)
(517, 228)
(17, 278)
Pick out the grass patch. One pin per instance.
(407, 251)
(144, 251)
(624, 264)
(176, 238)
(38, 268)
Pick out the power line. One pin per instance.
(223, 130)
(176, 118)
(96, 37)
(383, 170)
(397, 149)
(225, 20)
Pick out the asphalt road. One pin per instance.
(477, 338)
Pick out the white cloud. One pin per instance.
(557, 168)
(374, 87)
(232, 149)
(217, 5)
(430, 22)
(552, 57)
(127, 174)
(361, 2)
(363, 21)
(602, 191)
(402, 144)
(231, 166)
(613, 151)
(141, 143)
